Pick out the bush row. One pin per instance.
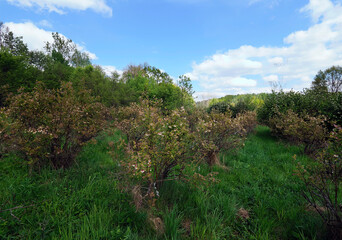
(162, 146)
(309, 102)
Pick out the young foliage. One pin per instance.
(248, 120)
(216, 132)
(300, 129)
(159, 147)
(323, 183)
(49, 126)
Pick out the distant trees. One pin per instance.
(330, 80)
(155, 83)
(61, 61)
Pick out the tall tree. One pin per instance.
(329, 80)
(319, 83)
(9, 42)
(63, 50)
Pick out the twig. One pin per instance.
(11, 211)
(17, 207)
(15, 216)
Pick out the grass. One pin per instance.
(85, 202)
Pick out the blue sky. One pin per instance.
(225, 46)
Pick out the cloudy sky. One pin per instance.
(225, 46)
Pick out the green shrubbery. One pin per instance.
(300, 129)
(302, 117)
(308, 118)
(158, 148)
(216, 132)
(47, 123)
(307, 102)
(162, 146)
(323, 183)
(48, 127)
(237, 104)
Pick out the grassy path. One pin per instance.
(84, 201)
(260, 180)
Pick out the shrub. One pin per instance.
(281, 102)
(248, 120)
(49, 126)
(307, 102)
(134, 119)
(323, 183)
(304, 129)
(158, 147)
(216, 132)
(221, 107)
(193, 117)
(242, 106)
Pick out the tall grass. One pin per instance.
(85, 202)
(260, 180)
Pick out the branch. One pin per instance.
(14, 208)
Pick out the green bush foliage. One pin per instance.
(15, 73)
(216, 132)
(237, 103)
(159, 147)
(49, 126)
(323, 183)
(132, 120)
(300, 129)
(221, 107)
(248, 120)
(309, 102)
(162, 145)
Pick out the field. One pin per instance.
(257, 197)
(91, 152)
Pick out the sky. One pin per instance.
(224, 46)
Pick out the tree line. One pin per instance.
(60, 61)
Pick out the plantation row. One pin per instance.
(49, 127)
(312, 119)
(54, 104)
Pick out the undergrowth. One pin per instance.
(257, 197)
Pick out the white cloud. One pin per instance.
(36, 38)
(200, 96)
(58, 6)
(203, 95)
(271, 78)
(110, 69)
(303, 54)
(276, 60)
(45, 23)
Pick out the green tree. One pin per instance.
(64, 50)
(319, 83)
(15, 73)
(329, 80)
(9, 42)
(185, 85)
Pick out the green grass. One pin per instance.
(84, 202)
(261, 180)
